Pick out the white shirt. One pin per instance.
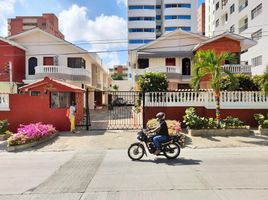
(72, 111)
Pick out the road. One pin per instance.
(214, 173)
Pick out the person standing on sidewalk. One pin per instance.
(71, 115)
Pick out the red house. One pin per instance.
(12, 65)
(44, 101)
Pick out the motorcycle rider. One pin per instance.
(161, 132)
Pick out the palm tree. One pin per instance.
(208, 64)
(264, 82)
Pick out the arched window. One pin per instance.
(32, 63)
(186, 66)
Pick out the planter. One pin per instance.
(29, 145)
(4, 137)
(263, 131)
(220, 132)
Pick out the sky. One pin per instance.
(101, 23)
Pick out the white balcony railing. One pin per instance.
(164, 69)
(228, 100)
(238, 69)
(61, 70)
(4, 102)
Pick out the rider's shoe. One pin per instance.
(157, 152)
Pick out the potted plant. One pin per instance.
(4, 132)
(263, 123)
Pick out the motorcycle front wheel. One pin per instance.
(136, 151)
(172, 151)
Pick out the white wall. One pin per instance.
(124, 85)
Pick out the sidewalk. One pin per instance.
(118, 139)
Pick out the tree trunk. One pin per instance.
(218, 111)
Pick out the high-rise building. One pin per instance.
(245, 17)
(119, 70)
(47, 22)
(201, 21)
(149, 19)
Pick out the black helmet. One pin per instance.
(160, 115)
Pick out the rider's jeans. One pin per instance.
(157, 140)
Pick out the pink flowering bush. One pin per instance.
(31, 133)
(174, 127)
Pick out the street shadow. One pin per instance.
(175, 162)
(3, 146)
(260, 140)
(211, 138)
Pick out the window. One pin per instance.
(170, 61)
(149, 19)
(226, 17)
(184, 17)
(141, 19)
(76, 63)
(243, 5)
(143, 63)
(135, 7)
(35, 93)
(217, 5)
(232, 29)
(186, 66)
(60, 99)
(256, 61)
(149, 7)
(257, 35)
(184, 5)
(232, 9)
(32, 63)
(256, 11)
(217, 22)
(134, 30)
(158, 17)
(139, 41)
(170, 28)
(171, 5)
(185, 28)
(158, 6)
(149, 30)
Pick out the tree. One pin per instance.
(264, 82)
(153, 82)
(208, 64)
(115, 87)
(117, 77)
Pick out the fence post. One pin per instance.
(143, 110)
(87, 111)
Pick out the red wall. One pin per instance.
(25, 109)
(17, 57)
(177, 113)
(222, 45)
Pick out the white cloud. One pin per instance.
(122, 2)
(6, 9)
(107, 30)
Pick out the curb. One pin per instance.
(29, 145)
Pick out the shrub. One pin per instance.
(30, 133)
(3, 126)
(174, 127)
(193, 121)
(262, 121)
(232, 122)
(153, 82)
(244, 83)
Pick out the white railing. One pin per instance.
(51, 69)
(4, 102)
(164, 69)
(229, 100)
(237, 69)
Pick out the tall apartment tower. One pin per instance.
(47, 22)
(244, 17)
(149, 19)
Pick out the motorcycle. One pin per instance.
(170, 148)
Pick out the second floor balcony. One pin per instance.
(60, 72)
(237, 68)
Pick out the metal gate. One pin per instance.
(113, 110)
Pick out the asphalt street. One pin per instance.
(215, 173)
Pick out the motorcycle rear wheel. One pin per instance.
(172, 151)
(136, 151)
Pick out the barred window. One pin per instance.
(256, 61)
(256, 11)
(257, 35)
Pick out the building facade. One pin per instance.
(149, 19)
(12, 65)
(47, 22)
(120, 70)
(244, 17)
(176, 59)
(201, 19)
